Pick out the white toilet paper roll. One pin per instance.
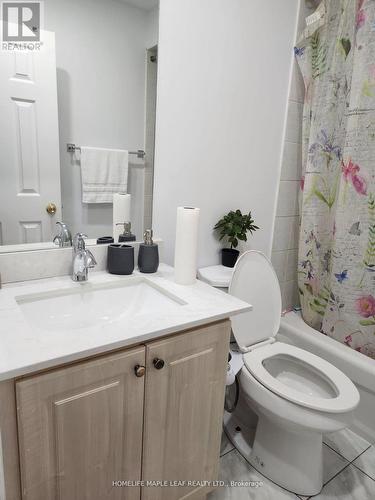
(121, 212)
(185, 257)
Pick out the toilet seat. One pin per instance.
(347, 396)
(254, 281)
(296, 395)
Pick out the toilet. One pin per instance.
(296, 395)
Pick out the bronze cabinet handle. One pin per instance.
(139, 370)
(158, 363)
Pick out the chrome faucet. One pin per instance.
(83, 259)
(63, 238)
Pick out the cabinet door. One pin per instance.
(183, 411)
(80, 429)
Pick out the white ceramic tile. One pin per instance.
(279, 260)
(366, 462)
(291, 265)
(286, 233)
(350, 484)
(332, 463)
(294, 122)
(346, 443)
(289, 294)
(235, 468)
(287, 204)
(294, 233)
(297, 87)
(281, 236)
(225, 446)
(291, 167)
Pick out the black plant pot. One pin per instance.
(229, 257)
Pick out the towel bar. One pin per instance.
(72, 148)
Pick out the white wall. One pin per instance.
(152, 34)
(223, 79)
(101, 55)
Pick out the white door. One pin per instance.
(29, 144)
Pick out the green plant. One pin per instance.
(234, 226)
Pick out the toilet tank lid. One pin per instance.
(218, 276)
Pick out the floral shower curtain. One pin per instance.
(336, 268)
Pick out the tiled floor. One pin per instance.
(349, 472)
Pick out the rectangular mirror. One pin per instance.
(70, 109)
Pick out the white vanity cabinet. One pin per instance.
(83, 426)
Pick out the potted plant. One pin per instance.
(233, 227)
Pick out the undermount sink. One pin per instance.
(92, 305)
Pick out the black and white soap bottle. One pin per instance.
(148, 255)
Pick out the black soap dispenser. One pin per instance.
(148, 255)
(127, 234)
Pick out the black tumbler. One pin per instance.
(120, 259)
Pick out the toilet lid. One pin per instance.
(255, 282)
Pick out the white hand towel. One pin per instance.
(104, 172)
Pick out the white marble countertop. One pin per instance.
(25, 348)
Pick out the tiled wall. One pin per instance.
(286, 234)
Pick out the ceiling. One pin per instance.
(142, 4)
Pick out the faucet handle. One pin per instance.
(90, 259)
(57, 240)
(79, 241)
(63, 238)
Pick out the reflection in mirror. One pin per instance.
(92, 85)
